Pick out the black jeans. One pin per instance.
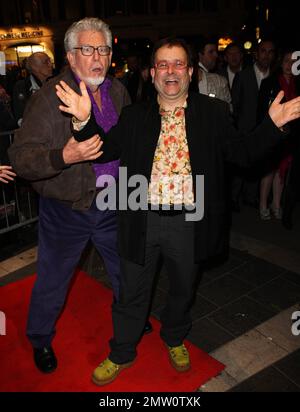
(172, 238)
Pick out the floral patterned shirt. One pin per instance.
(171, 179)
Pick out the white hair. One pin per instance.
(86, 24)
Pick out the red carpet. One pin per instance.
(81, 343)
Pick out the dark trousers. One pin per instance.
(63, 234)
(172, 238)
(291, 193)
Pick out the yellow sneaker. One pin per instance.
(179, 358)
(107, 372)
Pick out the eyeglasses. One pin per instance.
(177, 65)
(90, 50)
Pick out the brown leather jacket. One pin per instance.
(36, 154)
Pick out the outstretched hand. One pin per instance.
(282, 113)
(78, 106)
(6, 174)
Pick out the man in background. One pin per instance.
(244, 93)
(209, 83)
(233, 57)
(40, 69)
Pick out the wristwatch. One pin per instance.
(78, 124)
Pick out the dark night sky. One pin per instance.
(285, 24)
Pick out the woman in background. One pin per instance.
(280, 160)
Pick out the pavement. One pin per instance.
(243, 308)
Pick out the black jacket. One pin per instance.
(212, 141)
(21, 95)
(244, 94)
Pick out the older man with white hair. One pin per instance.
(63, 172)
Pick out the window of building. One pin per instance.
(61, 10)
(74, 9)
(154, 6)
(114, 8)
(138, 6)
(171, 6)
(16, 55)
(46, 10)
(23, 14)
(188, 6)
(210, 6)
(99, 8)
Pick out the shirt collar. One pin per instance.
(202, 67)
(34, 85)
(231, 72)
(162, 111)
(260, 73)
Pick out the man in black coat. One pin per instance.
(244, 93)
(179, 135)
(233, 56)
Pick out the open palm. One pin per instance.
(74, 103)
(282, 113)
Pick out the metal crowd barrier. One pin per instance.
(18, 201)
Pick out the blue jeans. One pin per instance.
(63, 234)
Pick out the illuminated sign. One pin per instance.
(224, 42)
(21, 35)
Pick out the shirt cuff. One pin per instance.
(78, 125)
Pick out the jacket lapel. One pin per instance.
(152, 127)
(254, 79)
(195, 116)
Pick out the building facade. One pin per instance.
(30, 25)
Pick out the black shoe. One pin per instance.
(148, 328)
(45, 359)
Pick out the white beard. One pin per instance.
(91, 81)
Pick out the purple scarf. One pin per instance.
(106, 119)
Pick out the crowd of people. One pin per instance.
(248, 83)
